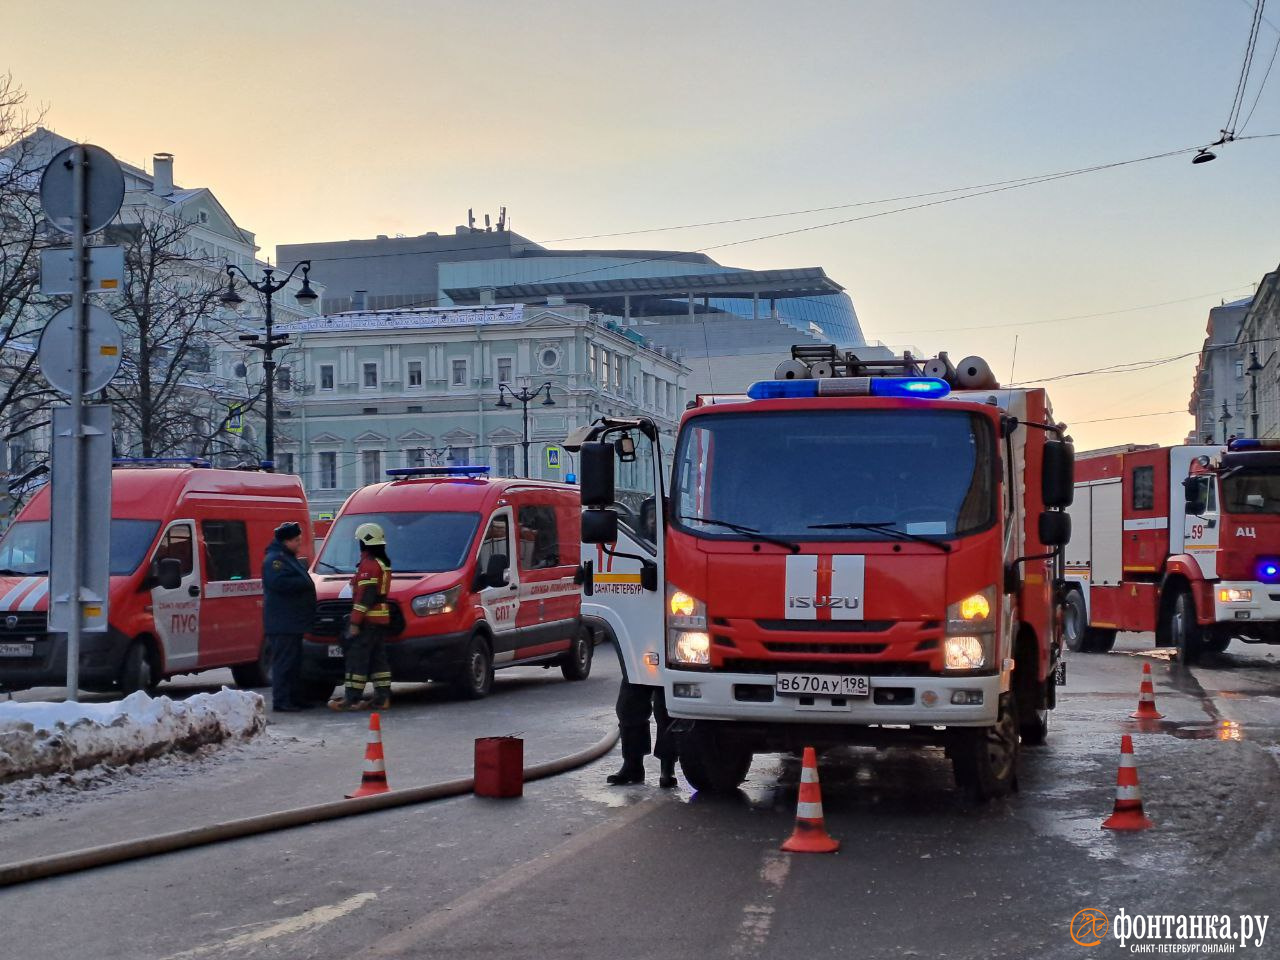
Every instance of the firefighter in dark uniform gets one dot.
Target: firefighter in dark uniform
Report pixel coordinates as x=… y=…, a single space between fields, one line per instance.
x=365 y=646
x=288 y=607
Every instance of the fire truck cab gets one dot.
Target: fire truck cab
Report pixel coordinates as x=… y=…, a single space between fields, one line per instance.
x=854 y=553
x=1183 y=541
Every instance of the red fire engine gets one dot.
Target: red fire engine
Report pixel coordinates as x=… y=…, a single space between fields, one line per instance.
x=852 y=553
x=1183 y=541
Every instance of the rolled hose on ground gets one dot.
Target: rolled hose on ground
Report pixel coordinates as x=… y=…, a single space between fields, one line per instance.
x=91 y=857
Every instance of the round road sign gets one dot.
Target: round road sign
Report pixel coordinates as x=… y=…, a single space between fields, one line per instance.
x=102 y=356
x=103 y=189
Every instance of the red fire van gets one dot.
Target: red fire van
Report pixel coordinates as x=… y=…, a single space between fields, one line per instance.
x=483 y=576
x=200 y=611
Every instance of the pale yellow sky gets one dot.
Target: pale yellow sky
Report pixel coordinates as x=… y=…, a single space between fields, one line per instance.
x=326 y=120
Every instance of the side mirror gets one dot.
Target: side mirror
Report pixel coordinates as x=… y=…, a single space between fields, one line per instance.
x=595 y=478
x=169 y=573
x=1055 y=528
x=1058 y=474
x=599 y=526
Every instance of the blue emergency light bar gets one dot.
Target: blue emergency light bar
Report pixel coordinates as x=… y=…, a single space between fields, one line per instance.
x=927 y=388
x=160 y=462
x=401 y=473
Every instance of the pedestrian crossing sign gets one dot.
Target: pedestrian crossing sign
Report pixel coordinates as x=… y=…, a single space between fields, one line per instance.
x=553 y=458
x=235 y=419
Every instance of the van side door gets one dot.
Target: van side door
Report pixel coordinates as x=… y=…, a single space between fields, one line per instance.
x=500 y=601
x=548 y=614
x=176 y=612
x=231 y=616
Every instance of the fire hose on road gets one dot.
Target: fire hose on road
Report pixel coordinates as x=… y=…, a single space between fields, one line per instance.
x=91 y=857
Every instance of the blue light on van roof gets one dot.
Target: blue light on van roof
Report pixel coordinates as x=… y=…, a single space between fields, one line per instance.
x=928 y=388
x=472 y=471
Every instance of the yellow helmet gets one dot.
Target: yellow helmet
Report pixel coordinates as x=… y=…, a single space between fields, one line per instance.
x=370 y=535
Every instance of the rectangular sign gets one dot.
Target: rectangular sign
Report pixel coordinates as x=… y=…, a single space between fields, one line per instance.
x=553 y=458
x=95 y=492
x=410 y=319
x=57 y=270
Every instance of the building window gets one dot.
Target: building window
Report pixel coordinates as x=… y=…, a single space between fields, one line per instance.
x=591 y=360
x=1239 y=369
x=604 y=369
x=671 y=397
x=1144 y=488
x=414 y=378
x=505 y=460
x=226 y=546
x=460 y=456
x=328 y=471
x=539 y=538
x=504 y=369
x=370 y=466
x=369 y=378
x=284 y=463
x=459 y=373
x=648 y=390
x=326 y=376
x=550 y=358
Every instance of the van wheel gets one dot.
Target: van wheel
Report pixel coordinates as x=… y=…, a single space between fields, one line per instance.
x=475 y=680
x=985 y=759
x=710 y=764
x=138 y=671
x=256 y=674
x=1075 y=621
x=1184 y=630
x=576 y=664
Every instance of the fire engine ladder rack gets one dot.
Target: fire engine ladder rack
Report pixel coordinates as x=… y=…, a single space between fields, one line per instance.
x=825 y=356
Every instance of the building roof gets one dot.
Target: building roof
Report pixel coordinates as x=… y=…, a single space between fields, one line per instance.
x=803 y=281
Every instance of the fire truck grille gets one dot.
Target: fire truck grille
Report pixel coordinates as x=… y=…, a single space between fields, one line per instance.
x=330 y=615
x=25 y=622
x=863 y=668
x=823 y=649
x=826 y=626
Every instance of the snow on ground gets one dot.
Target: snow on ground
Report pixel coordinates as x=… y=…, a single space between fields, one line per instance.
x=45 y=738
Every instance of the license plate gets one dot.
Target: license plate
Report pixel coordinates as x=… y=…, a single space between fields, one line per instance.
x=17 y=649
x=335 y=650
x=823 y=684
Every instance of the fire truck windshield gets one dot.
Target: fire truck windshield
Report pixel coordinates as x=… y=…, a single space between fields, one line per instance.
x=836 y=474
x=416 y=542
x=1251 y=491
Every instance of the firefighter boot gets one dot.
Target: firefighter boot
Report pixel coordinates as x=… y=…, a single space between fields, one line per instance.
x=381 y=699
x=631 y=772
x=667 y=780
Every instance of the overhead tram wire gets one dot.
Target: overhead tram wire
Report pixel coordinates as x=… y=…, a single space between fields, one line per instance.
x=1263 y=85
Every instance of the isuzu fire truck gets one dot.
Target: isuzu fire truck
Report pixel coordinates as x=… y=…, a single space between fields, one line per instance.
x=854 y=553
x=1183 y=541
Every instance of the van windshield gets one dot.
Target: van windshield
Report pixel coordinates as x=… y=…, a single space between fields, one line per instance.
x=416 y=542
x=24 y=550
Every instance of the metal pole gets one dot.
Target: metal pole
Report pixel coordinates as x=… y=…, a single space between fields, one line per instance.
x=524 y=407
x=269 y=368
x=78 y=353
x=1253 y=393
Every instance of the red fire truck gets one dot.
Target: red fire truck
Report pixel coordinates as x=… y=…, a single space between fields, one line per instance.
x=1183 y=541
x=853 y=553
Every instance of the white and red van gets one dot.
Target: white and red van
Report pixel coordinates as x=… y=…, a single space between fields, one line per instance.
x=483 y=576
x=212 y=525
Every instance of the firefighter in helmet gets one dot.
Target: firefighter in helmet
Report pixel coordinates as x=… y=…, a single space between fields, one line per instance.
x=364 y=643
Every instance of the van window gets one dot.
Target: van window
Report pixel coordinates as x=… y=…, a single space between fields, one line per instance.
x=176 y=545
x=1144 y=488
x=226 y=545
x=539 y=538
x=495 y=542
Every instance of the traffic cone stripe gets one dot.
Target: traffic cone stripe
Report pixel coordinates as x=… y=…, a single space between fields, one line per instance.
x=809 y=776
x=808 y=811
x=1129 y=793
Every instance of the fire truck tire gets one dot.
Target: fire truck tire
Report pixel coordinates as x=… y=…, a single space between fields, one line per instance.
x=1184 y=629
x=1100 y=641
x=985 y=759
x=576 y=664
x=475 y=679
x=256 y=674
x=138 y=671
x=710 y=765
x=1217 y=643
x=1075 y=621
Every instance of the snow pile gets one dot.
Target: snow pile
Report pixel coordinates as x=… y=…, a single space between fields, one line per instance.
x=42 y=738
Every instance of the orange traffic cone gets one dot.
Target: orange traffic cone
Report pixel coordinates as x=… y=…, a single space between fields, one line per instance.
x=810 y=834
x=1146 y=698
x=374 y=778
x=1127 y=814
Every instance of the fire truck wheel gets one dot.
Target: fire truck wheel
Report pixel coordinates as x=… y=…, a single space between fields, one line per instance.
x=576 y=664
x=256 y=674
x=1184 y=630
x=985 y=759
x=1217 y=643
x=711 y=765
x=476 y=677
x=138 y=671
x=1075 y=621
x=1101 y=641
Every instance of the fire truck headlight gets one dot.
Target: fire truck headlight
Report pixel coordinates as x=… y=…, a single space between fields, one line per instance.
x=683 y=611
x=975 y=607
x=964 y=653
x=689 y=647
x=974 y=613
x=446 y=601
x=1234 y=595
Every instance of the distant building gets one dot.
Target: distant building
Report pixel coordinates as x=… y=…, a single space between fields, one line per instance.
x=1220 y=377
x=373 y=390
x=731 y=326
x=1257 y=339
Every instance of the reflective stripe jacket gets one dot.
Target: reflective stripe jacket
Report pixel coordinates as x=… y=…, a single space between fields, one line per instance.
x=369 y=588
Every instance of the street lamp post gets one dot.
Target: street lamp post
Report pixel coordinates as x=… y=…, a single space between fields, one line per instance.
x=1255 y=368
x=1224 y=420
x=268 y=286
x=524 y=397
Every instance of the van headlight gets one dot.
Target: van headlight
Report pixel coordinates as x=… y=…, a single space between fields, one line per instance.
x=446 y=601
x=688 y=643
x=971 y=628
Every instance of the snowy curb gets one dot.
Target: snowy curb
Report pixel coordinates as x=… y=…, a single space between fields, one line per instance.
x=44 y=738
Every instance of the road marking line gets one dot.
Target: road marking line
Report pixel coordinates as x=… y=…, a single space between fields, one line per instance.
x=757 y=918
x=409 y=940
x=302 y=923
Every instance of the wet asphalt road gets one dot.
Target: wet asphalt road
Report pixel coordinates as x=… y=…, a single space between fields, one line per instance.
x=577 y=869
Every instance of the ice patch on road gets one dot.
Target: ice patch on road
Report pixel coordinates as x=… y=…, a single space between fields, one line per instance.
x=47 y=738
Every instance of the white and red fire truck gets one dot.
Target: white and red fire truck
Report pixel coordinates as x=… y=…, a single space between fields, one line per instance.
x=853 y=553
x=1183 y=541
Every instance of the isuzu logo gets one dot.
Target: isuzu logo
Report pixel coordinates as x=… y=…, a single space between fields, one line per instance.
x=823 y=603
x=11 y=622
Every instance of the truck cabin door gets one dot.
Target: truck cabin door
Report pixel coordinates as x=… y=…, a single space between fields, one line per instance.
x=1201 y=523
x=177 y=612
x=498 y=583
x=1146 y=513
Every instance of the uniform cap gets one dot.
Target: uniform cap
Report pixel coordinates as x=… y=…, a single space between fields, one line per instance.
x=287 y=531
x=370 y=535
